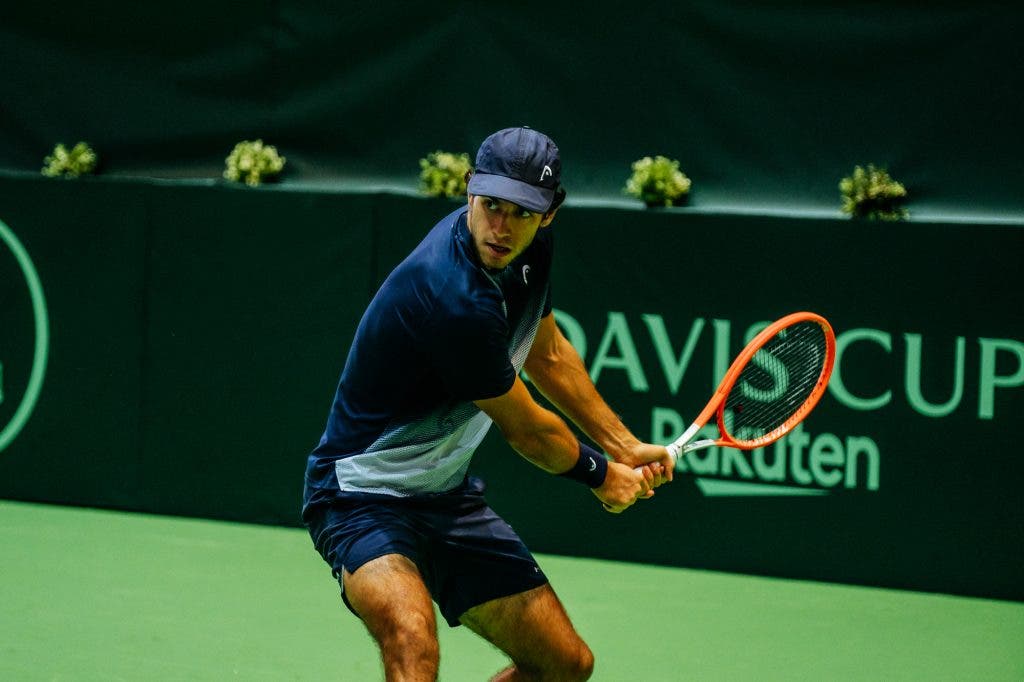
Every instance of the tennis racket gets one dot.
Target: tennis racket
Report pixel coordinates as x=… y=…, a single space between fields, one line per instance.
x=770 y=387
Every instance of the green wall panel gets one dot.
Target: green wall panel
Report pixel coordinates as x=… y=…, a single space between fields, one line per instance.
x=197 y=332
x=87 y=243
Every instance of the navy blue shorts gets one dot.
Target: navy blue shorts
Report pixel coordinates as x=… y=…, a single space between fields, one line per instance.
x=466 y=553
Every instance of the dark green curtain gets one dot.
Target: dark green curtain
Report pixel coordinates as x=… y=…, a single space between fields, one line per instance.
x=764 y=104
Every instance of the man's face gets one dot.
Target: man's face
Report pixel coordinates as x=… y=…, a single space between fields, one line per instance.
x=502 y=230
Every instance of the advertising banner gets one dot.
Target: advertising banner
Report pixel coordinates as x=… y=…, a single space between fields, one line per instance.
x=175 y=350
x=908 y=473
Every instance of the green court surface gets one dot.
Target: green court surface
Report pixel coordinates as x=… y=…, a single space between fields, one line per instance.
x=96 y=595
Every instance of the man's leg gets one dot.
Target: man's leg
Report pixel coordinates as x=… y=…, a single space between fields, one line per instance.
x=389 y=596
x=534 y=630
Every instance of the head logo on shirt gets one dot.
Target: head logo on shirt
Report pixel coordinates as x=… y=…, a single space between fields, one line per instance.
x=526 y=271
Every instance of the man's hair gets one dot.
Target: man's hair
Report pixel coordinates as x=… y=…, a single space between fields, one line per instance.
x=557 y=201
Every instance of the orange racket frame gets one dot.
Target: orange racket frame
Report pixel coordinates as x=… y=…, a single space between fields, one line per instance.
x=716 y=405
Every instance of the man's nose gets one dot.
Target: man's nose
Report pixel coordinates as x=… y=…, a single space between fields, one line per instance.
x=500 y=223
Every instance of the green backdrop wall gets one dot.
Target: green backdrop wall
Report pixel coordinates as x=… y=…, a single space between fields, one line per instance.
x=764 y=104
x=195 y=335
x=171 y=344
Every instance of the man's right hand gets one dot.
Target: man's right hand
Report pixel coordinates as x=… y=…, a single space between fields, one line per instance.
x=623 y=486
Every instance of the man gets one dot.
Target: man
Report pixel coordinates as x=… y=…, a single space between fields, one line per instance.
x=436 y=358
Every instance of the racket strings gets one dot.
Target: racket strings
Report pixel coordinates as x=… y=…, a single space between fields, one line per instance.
x=776 y=382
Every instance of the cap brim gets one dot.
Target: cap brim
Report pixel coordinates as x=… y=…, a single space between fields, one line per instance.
x=536 y=199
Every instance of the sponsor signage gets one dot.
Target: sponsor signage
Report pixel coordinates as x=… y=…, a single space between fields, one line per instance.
x=653 y=365
x=23 y=316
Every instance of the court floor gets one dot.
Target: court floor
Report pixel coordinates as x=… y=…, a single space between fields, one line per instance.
x=98 y=595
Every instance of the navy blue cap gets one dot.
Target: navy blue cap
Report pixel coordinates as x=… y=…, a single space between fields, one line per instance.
x=519 y=165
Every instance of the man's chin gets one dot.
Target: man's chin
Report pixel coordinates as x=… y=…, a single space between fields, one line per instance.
x=494 y=260
x=497 y=264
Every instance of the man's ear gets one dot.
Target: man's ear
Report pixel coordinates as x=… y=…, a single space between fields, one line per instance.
x=548 y=217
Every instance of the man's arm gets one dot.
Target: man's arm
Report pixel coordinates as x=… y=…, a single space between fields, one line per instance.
x=558 y=372
x=543 y=438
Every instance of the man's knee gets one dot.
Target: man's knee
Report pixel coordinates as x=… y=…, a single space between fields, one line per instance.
x=410 y=631
x=583 y=665
x=571 y=664
x=408 y=645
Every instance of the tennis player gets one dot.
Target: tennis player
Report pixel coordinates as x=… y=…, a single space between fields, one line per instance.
x=435 y=360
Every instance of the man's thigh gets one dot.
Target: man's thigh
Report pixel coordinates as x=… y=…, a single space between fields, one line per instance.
x=532 y=627
x=388 y=594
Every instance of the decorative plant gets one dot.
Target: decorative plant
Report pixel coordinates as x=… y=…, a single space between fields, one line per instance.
x=872 y=194
x=81 y=160
x=658 y=182
x=443 y=174
x=253 y=162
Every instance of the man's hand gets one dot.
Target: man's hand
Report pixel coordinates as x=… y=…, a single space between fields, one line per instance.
x=623 y=486
x=653 y=457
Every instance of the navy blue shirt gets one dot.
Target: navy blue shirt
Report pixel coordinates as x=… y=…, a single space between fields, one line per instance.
x=441 y=332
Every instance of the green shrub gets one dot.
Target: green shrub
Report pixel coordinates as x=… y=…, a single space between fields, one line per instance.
x=81 y=160
x=253 y=162
x=443 y=174
x=658 y=182
x=873 y=195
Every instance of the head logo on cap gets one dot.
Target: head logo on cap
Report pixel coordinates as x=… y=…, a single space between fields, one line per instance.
x=520 y=165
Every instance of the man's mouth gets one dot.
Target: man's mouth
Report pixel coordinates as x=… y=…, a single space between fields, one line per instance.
x=497 y=250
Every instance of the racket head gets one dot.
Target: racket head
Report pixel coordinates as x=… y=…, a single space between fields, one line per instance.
x=775 y=382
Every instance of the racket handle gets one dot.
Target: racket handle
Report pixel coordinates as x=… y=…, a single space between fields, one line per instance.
x=676 y=448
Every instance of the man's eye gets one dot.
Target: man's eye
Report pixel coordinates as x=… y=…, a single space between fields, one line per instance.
x=525 y=215
x=492 y=205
